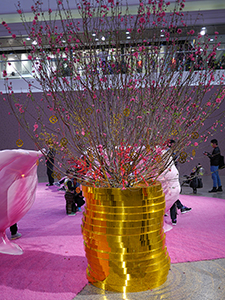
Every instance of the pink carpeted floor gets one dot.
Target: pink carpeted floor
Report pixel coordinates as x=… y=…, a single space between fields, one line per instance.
x=53 y=265
x=199 y=234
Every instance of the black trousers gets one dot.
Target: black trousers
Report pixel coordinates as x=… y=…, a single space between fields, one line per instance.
x=50 y=174
x=13 y=229
x=173 y=209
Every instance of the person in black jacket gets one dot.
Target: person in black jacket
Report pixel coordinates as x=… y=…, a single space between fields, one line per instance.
x=73 y=195
x=50 y=165
x=214 y=166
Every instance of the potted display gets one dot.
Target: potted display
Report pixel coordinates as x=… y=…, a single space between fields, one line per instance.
x=117 y=83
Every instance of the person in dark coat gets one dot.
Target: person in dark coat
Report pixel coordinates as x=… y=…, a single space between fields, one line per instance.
x=73 y=196
x=50 y=165
x=214 y=166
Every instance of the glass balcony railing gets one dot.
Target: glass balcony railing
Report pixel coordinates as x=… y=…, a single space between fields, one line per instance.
x=18 y=65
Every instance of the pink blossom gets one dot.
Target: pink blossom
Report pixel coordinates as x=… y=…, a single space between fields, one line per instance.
x=35 y=127
x=4 y=73
x=218 y=100
x=179 y=31
x=208 y=103
x=29 y=57
x=142 y=20
x=135 y=54
x=195 y=144
x=19 y=11
x=158 y=151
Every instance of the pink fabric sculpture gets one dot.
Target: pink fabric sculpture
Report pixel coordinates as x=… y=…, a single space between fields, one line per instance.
x=18 y=177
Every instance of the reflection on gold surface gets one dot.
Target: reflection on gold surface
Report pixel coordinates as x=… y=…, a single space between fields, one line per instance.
x=124 y=239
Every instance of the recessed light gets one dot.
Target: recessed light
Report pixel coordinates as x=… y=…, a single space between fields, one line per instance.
x=202 y=32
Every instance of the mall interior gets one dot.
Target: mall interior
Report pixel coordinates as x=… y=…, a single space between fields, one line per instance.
x=196 y=280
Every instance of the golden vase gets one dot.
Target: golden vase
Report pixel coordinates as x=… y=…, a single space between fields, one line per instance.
x=124 y=238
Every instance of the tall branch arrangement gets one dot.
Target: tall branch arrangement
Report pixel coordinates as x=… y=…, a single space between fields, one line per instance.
x=116 y=87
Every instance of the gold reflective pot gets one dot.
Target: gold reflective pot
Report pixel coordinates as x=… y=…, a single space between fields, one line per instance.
x=124 y=238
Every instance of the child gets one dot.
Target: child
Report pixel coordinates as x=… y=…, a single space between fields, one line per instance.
x=73 y=195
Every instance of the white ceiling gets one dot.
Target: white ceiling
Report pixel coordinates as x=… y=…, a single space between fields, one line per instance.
x=213 y=15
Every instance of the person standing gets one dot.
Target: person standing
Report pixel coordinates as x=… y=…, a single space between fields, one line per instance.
x=214 y=166
x=50 y=165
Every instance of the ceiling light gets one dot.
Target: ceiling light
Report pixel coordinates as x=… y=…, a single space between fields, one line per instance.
x=103 y=38
x=34 y=43
x=202 y=32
